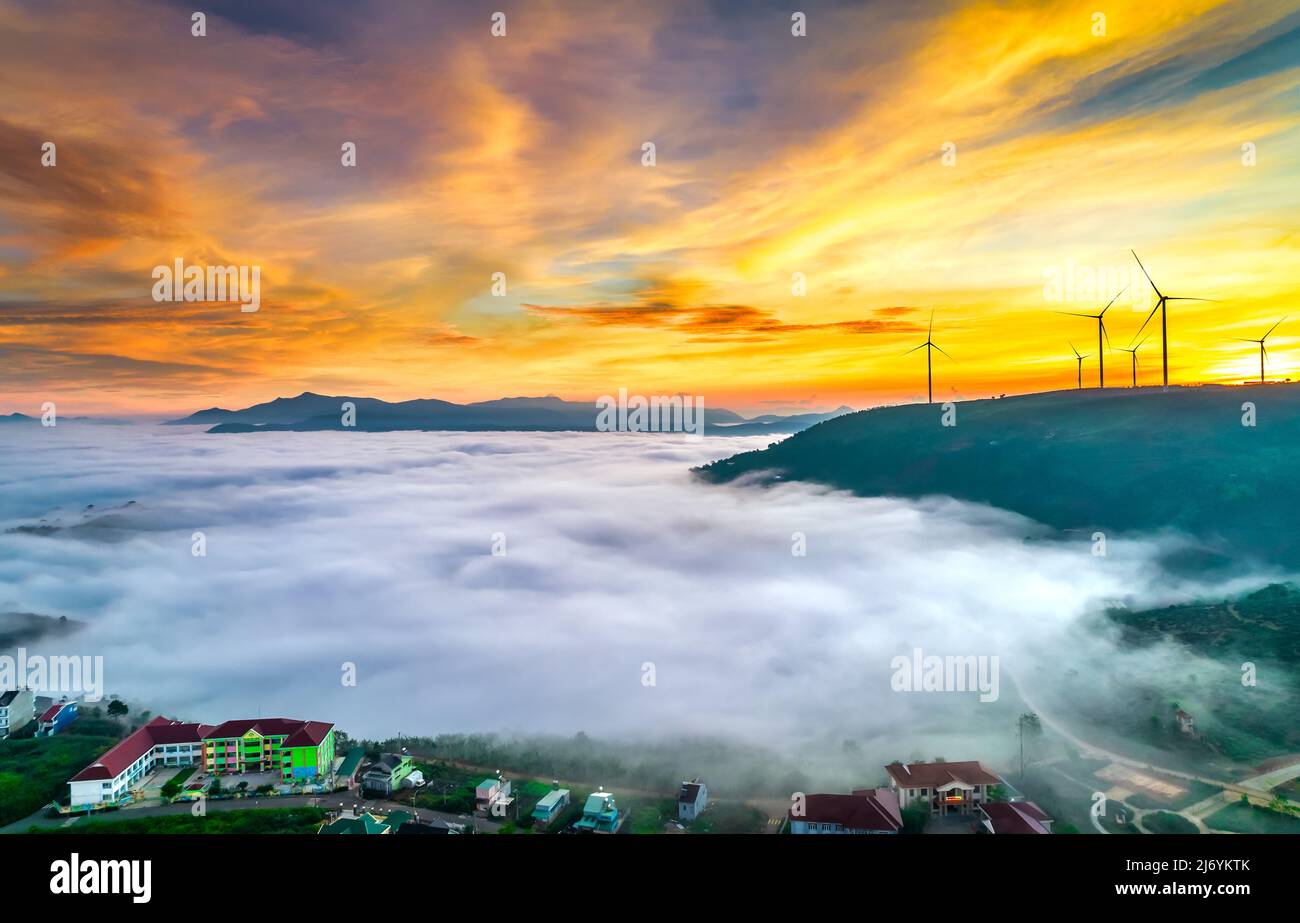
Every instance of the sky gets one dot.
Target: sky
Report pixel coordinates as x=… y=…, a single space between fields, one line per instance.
x=987 y=164
x=522 y=582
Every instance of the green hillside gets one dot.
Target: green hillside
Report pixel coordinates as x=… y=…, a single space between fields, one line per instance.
x=1118 y=460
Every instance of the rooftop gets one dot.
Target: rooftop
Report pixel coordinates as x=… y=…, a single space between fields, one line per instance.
x=937 y=775
x=864 y=809
x=158 y=731
x=1016 y=817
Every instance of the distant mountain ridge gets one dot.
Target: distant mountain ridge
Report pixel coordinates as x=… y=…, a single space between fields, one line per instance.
x=1115 y=460
x=21 y=418
x=311 y=412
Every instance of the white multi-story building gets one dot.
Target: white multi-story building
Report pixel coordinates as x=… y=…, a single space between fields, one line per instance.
x=161 y=742
x=17 y=710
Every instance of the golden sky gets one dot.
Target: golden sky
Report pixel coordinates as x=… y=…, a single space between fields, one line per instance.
x=822 y=155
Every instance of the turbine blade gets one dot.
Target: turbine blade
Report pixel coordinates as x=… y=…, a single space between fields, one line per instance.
x=1270 y=330
x=1185 y=298
x=915 y=348
x=1076 y=314
x=1145 y=273
x=1148 y=320
x=1113 y=300
x=1101 y=323
x=940 y=350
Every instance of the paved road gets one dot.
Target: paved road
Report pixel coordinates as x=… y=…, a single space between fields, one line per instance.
x=1254 y=788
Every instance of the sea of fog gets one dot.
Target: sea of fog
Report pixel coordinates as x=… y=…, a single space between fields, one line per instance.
x=629 y=598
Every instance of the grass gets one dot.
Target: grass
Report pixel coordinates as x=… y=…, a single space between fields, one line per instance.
x=730 y=817
x=447 y=788
x=172 y=787
x=1247 y=818
x=36 y=771
x=1165 y=822
x=648 y=815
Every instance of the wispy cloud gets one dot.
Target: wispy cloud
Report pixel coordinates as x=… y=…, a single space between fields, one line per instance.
x=522 y=155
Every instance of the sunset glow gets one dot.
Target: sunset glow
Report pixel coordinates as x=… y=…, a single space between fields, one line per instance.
x=1175 y=133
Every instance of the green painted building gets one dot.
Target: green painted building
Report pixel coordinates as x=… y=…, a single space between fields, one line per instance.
x=299 y=751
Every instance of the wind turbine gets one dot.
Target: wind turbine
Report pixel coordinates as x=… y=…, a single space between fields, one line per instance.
x=929 y=381
x=1080 y=358
x=1262 y=351
x=1101 y=332
x=1133 y=351
x=1162 y=307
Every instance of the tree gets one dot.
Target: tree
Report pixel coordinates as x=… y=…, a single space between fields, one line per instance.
x=1027 y=720
x=117 y=708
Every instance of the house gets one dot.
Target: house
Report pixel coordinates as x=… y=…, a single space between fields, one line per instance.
x=431 y=827
x=600 y=815
x=551 y=805
x=1184 y=722
x=350 y=769
x=366 y=823
x=385 y=775
x=864 y=811
x=1015 y=817
x=17 y=709
x=492 y=796
x=946 y=788
x=297 y=750
x=691 y=799
x=56 y=718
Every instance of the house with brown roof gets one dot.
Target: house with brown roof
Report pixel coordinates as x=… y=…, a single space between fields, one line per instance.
x=864 y=811
x=946 y=788
x=1015 y=817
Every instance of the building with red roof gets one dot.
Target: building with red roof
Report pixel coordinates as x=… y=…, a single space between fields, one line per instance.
x=1015 y=817
x=56 y=718
x=301 y=751
x=298 y=751
x=867 y=810
x=946 y=788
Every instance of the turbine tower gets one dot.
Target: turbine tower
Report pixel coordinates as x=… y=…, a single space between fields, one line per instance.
x=1080 y=360
x=1133 y=351
x=928 y=345
x=1162 y=307
x=1262 y=351
x=1101 y=332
